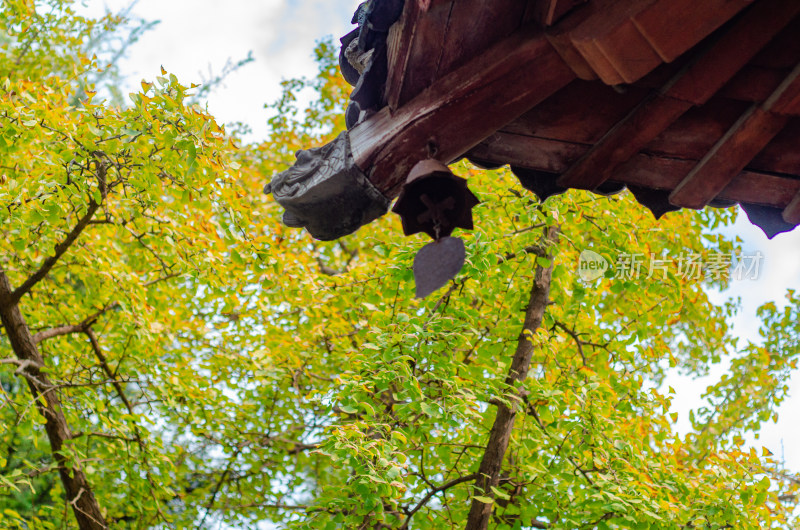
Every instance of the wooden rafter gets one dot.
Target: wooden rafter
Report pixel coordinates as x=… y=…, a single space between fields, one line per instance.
x=736 y=149
x=643 y=170
x=420 y=26
x=692 y=86
x=620 y=42
x=548 y=12
x=434 y=38
x=791 y=214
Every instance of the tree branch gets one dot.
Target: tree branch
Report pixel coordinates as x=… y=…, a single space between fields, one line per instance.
x=578 y=342
x=72 y=328
x=101 y=358
x=218 y=486
x=410 y=513
x=780 y=475
x=162 y=279
x=57 y=332
x=15 y=296
x=25 y=367
x=78 y=492
x=530 y=249
x=493 y=456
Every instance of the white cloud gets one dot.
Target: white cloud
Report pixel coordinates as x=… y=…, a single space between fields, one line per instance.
x=780 y=271
x=197 y=34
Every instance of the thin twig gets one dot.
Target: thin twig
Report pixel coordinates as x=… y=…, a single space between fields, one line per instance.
x=410 y=513
x=73 y=328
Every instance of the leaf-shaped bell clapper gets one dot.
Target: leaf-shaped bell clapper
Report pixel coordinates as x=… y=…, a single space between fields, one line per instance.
x=435 y=201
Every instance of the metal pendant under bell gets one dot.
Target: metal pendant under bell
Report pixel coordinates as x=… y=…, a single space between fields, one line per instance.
x=435 y=201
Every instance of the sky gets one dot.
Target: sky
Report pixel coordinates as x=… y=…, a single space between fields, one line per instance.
x=194 y=36
x=780 y=270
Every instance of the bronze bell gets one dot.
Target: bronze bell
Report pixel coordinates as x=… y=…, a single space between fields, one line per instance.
x=434 y=201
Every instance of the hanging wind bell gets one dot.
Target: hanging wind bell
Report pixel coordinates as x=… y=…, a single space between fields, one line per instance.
x=435 y=201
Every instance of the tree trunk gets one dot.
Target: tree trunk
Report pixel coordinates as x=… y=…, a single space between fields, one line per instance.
x=79 y=494
x=489 y=470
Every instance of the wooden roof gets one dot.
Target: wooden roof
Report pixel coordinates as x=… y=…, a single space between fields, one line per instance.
x=688 y=103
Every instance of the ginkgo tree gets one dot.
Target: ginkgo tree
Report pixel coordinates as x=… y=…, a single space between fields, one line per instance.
x=173 y=356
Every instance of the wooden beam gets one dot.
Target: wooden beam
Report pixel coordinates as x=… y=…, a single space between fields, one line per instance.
x=398 y=52
x=432 y=39
x=542 y=154
x=581 y=112
x=759 y=77
x=727 y=158
x=697 y=131
x=748 y=186
x=731 y=154
x=791 y=214
x=695 y=84
x=751 y=33
x=674 y=26
x=624 y=140
x=548 y=12
x=473 y=26
x=624 y=56
x=459 y=110
x=782 y=154
x=694 y=134
x=758 y=186
x=752 y=84
x=790 y=107
x=582 y=37
x=623 y=41
x=786 y=97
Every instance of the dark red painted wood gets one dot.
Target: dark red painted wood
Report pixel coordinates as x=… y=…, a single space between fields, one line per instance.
x=731 y=154
x=694 y=84
x=459 y=110
x=473 y=26
x=645 y=170
x=791 y=214
x=414 y=48
x=734 y=50
x=553 y=156
x=623 y=41
x=623 y=141
x=548 y=12
x=727 y=158
x=674 y=26
x=581 y=112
